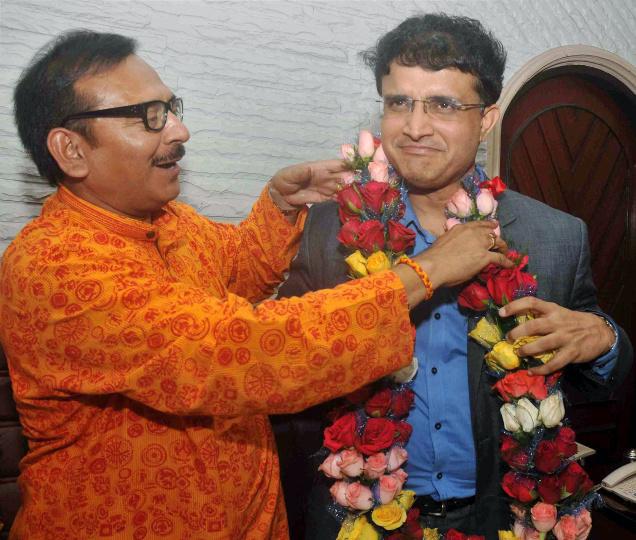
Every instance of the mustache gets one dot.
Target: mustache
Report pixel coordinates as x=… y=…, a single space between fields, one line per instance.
x=176 y=153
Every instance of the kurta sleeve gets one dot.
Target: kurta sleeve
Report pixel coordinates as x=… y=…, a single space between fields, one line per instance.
x=97 y=325
x=258 y=251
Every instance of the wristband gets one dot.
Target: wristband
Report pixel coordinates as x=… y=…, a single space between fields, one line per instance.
x=420 y=273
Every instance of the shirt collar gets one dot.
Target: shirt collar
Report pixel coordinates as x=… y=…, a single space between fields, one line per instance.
x=139 y=230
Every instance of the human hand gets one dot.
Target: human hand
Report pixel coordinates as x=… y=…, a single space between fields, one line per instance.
x=575 y=336
x=461 y=253
x=309 y=182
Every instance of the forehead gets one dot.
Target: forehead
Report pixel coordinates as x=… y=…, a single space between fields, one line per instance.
x=131 y=81
x=415 y=81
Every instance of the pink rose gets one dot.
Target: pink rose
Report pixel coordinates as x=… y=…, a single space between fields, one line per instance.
x=347 y=152
x=401 y=475
x=375 y=466
x=486 y=203
x=366 y=147
x=339 y=492
x=460 y=204
x=583 y=522
x=359 y=497
x=389 y=487
x=544 y=516
x=397 y=456
x=348 y=178
x=351 y=463
x=331 y=466
x=451 y=222
x=565 y=529
x=379 y=171
x=380 y=155
x=525 y=533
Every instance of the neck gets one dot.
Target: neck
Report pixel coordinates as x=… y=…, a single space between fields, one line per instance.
x=430 y=206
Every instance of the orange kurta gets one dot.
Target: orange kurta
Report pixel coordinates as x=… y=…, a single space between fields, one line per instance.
x=143 y=372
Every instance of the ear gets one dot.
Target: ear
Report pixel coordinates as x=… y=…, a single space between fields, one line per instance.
x=68 y=149
x=488 y=121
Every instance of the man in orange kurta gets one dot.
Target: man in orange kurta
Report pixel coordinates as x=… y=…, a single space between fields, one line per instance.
x=142 y=367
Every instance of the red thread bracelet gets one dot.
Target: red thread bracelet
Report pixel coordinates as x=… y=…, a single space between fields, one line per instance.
x=420 y=273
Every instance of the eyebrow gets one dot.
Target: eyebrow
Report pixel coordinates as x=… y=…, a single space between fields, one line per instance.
x=436 y=98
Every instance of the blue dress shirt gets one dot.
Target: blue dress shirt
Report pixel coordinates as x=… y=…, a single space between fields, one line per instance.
x=441 y=450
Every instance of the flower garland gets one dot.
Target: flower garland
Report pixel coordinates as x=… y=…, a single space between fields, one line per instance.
x=365 y=443
x=550 y=492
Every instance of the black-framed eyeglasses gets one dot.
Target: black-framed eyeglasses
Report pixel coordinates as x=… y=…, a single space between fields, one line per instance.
x=153 y=113
x=439 y=107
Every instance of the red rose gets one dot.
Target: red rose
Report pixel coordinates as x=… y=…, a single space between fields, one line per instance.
x=400 y=238
x=549 y=489
x=519 y=487
x=546 y=457
x=379 y=434
x=503 y=285
x=341 y=434
x=490 y=270
x=519 y=259
x=520 y=383
x=526 y=285
x=475 y=296
x=379 y=404
x=412 y=528
x=403 y=432
x=392 y=196
x=496 y=185
x=370 y=236
x=350 y=201
x=512 y=453
x=565 y=442
x=574 y=479
x=453 y=534
x=349 y=232
x=402 y=403
x=552 y=379
x=373 y=194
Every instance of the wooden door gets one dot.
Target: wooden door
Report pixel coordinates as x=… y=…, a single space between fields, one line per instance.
x=568 y=139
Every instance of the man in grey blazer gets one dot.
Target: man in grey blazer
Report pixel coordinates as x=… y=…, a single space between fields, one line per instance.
x=439 y=78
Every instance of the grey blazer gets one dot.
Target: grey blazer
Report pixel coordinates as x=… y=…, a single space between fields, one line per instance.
x=558 y=248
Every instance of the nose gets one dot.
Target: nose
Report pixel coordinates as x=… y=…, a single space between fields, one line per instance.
x=418 y=122
x=175 y=130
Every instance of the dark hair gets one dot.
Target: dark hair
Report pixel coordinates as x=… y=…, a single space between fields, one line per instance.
x=437 y=41
x=45 y=92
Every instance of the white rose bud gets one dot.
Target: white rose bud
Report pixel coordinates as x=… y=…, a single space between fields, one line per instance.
x=552 y=410
x=509 y=418
x=527 y=415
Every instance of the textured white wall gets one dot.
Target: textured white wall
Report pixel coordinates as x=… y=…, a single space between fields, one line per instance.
x=266 y=83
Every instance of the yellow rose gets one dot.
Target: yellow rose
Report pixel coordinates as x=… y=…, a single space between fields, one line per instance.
x=486 y=333
x=389 y=516
x=507 y=535
x=377 y=262
x=502 y=356
x=544 y=358
x=360 y=529
x=405 y=498
x=357 y=264
x=431 y=534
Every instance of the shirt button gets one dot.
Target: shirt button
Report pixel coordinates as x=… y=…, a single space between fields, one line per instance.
x=150 y=234
x=438 y=316
x=439 y=475
x=434 y=371
x=438 y=425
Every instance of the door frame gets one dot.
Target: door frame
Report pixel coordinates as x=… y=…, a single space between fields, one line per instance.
x=569 y=55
